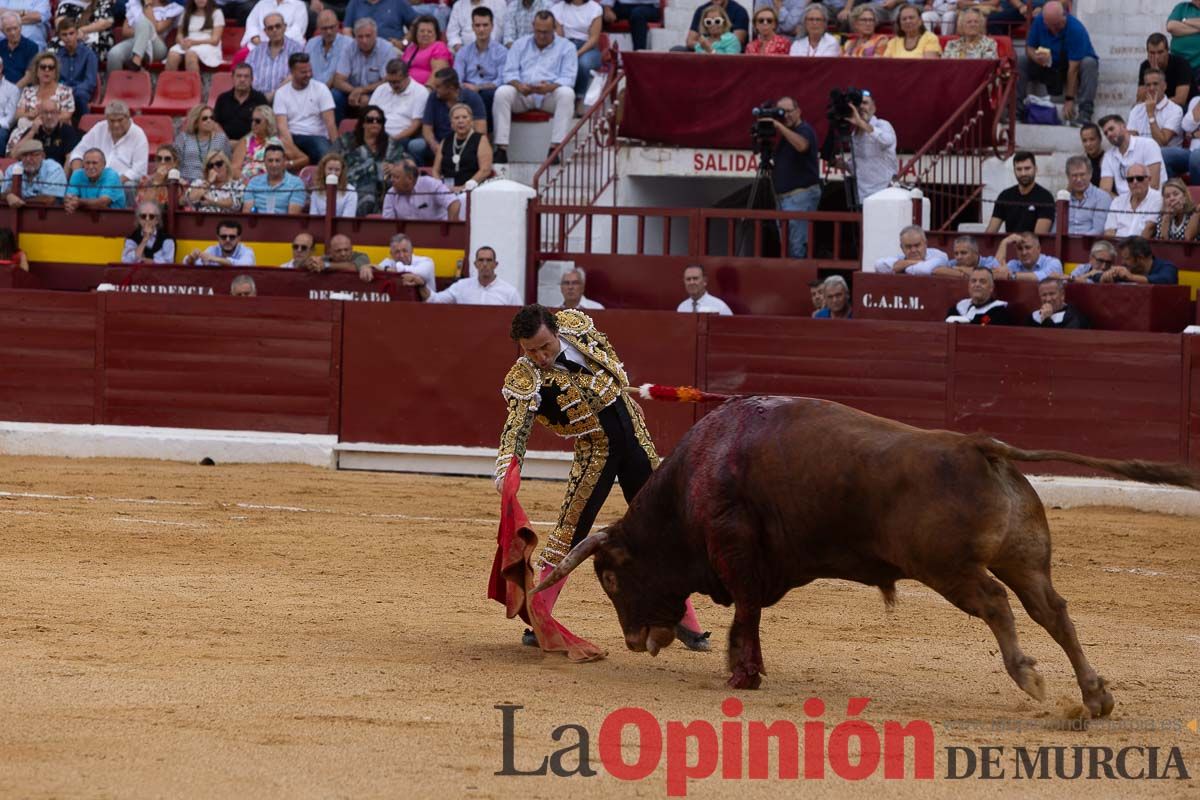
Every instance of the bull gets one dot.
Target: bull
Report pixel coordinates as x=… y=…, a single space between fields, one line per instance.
x=766 y=494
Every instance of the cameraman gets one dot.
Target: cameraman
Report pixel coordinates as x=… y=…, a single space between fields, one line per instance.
x=797 y=173
x=874 y=148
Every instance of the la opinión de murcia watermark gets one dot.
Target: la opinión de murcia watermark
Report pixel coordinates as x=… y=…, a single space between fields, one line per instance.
x=851 y=750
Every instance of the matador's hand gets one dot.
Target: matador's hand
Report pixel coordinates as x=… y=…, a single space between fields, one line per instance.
x=498 y=482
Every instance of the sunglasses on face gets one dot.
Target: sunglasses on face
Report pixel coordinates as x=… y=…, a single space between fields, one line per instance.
x=164 y=158
x=217 y=163
x=301 y=246
x=713 y=22
x=207 y=118
x=373 y=120
x=1137 y=178
x=257 y=120
x=47 y=67
x=272 y=27
x=765 y=21
x=147 y=216
x=227 y=237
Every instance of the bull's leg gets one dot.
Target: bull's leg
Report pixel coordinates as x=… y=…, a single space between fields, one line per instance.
x=980 y=595
x=745 y=653
x=1048 y=609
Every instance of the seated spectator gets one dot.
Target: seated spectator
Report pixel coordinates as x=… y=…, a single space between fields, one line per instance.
x=789 y=15
x=9 y=95
x=1101 y=258
x=347 y=199
x=967 y=258
x=149 y=240
x=1059 y=56
x=836 y=295
x=43 y=182
x=42 y=85
x=1093 y=149
x=365 y=150
x=1028 y=206
x=815 y=39
x=403 y=102
x=10 y=254
x=1180 y=219
x=913 y=40
x=35 y=15
x=767 y=40
x=435 y=122
x=1126 y=151
x=480 y=66
x=971 y=42
x=1005 y=15
x=816 y=290
x=78 y=65
x=426 y=53
x=916 y=257
x=888 y=10
x=1181 y=86
x=539 y=73
x=460 y=30
x=93 y=187
x=716 y=35
x=866 y=43
x=153 y=186
x=272 y=60
x=941 y=16
x=304 y=111
x=1134 y=213
x=1087 y=207
x=980 y=307
x=227 y=252
x=235 y=108
x=16 y=51
x=302 y=251
x=698 y=300
x=391 y=18
x=95 y=23
x=340 y=256
x=199 y=39
x=640 y=14
x=248 y=153
x=483 y=288
x=401 y=259
x=124 y=144
x=292 y=13
x=217 y=192
x=242 y=286
x=572 y=285
x=1159 y=119
x=144 y=34
x=325 y=50
x=57 y=137
x=1141 y=265
x=363 y=68
x=418 y=197
x=275 y=191
x=1054 y=311
x=518 y=19
x=738 y=23
x=1031 y=264
x=579 y=22
x=464 y=158
x=197 y=138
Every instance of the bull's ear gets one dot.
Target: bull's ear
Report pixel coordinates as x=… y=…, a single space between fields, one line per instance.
x=573 y=559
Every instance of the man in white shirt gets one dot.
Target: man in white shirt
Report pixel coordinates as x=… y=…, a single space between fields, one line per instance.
x=9 y=94
x=572 y=285
x=304 y=110
x=481 y=289
x=874 y=144
x=459 y=31
x=302 y=251
x=403 y=102
x=295 y=16
x=1132 y=212
x=1127 y=150
x=401 y=259
x=916 y=257
x=125 y=148
x=1161 y=119
x=699 y=301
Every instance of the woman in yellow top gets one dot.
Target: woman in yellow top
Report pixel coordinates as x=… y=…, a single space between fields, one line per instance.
x=913 y=41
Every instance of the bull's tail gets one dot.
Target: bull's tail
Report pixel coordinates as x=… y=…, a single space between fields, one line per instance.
x=1135 y=470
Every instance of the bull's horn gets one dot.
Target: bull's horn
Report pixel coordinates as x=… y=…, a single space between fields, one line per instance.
x=573 y=559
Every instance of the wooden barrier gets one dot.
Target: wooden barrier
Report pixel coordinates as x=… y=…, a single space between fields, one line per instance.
x=49 y=346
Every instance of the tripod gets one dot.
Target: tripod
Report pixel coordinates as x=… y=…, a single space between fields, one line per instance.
x=761 y=196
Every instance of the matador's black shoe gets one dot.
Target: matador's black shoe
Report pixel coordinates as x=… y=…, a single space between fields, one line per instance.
x=529 y=638
x=692 y=640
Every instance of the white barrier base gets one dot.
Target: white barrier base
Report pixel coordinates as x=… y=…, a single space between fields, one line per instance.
x=1060 y=492
x=447 y=460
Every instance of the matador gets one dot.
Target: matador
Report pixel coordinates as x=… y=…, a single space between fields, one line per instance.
x=570 y=379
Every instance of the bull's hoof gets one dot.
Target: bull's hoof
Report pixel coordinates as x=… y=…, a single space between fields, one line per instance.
x=744 y=680
x=692 y=640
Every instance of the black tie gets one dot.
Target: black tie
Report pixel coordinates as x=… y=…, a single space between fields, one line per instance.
x=571 y=365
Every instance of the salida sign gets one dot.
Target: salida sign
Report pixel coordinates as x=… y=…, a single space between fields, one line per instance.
x=718 y=161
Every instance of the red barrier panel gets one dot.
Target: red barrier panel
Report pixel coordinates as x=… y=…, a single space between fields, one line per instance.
x=236 y=363
x=48 y=346
x=1191 y=402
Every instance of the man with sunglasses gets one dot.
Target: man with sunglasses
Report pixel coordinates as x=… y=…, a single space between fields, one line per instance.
x=234 y=109
x=271 y=61
x=292 y=13
x=1134 y=212
x=93 y=187
x=227 y=252
x=148 y=242
x=1101 y=259
x=302 y=252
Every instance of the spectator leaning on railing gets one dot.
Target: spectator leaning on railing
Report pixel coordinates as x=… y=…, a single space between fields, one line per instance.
x=302 y=248
x=1100 y=259
x=401 y=259
x=1031 y=264
x=227 y=252
x=916 y=257
x=484 y=288
x=1141 y=265
x=43 y=182
x=418 y=197
x=340 y=256
x=276 y=191
x=967 y=258
x=93 y=187
x=124 y=144
x=149 y=240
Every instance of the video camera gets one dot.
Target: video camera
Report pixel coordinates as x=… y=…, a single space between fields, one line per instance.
x=838 y=110
x=762 y=132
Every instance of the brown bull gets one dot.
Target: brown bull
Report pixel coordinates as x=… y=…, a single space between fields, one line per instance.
x=766 y=494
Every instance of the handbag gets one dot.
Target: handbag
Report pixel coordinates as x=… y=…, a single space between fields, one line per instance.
x=1041 y=111
x=595 y=88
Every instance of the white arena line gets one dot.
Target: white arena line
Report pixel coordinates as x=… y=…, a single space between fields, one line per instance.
x=160 y=522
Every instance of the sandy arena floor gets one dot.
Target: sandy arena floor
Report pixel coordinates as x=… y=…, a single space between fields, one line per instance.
x=174 y=630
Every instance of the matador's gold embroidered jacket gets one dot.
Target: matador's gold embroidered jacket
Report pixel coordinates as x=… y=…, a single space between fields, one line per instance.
x=564 y=403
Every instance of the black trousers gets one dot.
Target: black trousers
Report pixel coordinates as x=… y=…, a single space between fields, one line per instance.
x=626 y=461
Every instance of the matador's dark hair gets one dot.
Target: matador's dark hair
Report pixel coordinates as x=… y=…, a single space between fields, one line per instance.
x=529 y=321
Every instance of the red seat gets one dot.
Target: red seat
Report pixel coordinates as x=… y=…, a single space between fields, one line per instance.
x=231 y=42
x=307 y=175
x=532 y=116
x=347 y=126
x=178 y=92
x=5 y=163
x=221 y=83
x=159 y=130
x=88 y=121
x=1194 y=191
x=131 y=88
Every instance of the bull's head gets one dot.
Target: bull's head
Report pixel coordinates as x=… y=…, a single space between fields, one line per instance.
x=646 y=608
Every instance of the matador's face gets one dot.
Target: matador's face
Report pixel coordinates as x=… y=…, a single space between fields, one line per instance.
x=541 y=348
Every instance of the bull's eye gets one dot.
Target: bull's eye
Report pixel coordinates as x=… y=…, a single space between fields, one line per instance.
x=609 y=581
